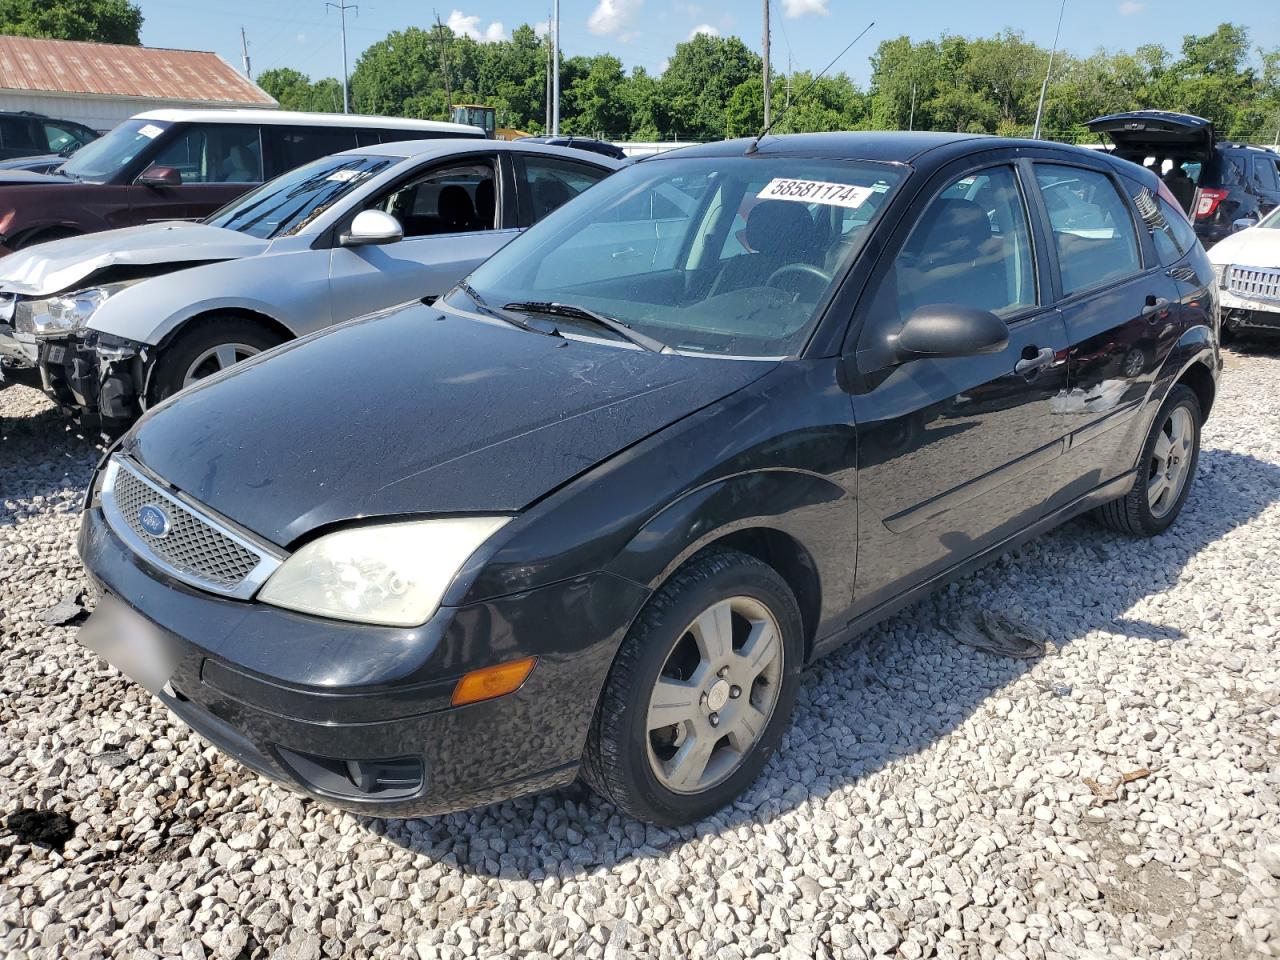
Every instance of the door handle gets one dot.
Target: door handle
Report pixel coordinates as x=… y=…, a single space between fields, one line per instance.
x=630 y=253
x=1155 y=306
x=1035 y=363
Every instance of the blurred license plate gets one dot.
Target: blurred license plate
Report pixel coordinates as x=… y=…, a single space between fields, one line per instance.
x=130 y=642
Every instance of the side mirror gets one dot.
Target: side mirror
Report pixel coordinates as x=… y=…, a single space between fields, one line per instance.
x=372 y=228
x=160 y=177
x=949 y=330
x=1244 y=223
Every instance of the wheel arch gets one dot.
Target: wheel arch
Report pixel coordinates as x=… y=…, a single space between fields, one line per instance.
x=777 y=516
x=209 y=314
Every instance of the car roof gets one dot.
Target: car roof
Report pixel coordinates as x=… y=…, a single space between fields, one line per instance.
x=294 y=118
x=443 y=146
x=889 y=146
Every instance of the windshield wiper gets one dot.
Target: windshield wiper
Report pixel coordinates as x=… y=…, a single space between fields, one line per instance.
x=572 y=311
x=483 y=306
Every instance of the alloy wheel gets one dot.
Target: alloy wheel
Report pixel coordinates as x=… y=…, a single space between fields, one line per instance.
x=216 y=359
x=715 y=695
x=1170 y=461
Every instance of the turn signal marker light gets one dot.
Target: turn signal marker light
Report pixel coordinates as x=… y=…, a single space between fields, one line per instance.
x=490 y=682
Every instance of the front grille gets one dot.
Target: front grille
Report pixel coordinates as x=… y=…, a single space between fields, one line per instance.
x=1262 y=283
x=195 y=548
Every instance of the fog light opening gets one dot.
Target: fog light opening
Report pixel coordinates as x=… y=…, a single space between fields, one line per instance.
x=489 y=682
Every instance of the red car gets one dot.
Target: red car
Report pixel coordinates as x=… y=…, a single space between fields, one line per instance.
x=183 y=165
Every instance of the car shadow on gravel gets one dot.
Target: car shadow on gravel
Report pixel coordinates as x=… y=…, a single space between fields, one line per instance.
x=875 y=700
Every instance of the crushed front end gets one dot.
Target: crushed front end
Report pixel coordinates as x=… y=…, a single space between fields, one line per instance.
x=97 y=378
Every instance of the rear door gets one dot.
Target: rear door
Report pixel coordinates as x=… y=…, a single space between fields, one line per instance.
x=455 y=215
x=1120 y=309
x=289 y=146
x=1264 y=179
x=217 y=161
x=958 y=453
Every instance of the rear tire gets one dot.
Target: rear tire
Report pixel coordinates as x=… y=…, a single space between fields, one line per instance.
x=208 y=346
x=717 y=651
x=1166 y=470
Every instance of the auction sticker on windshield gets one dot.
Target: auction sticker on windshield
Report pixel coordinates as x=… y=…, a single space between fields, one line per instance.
x=150 y=131
x=816 y=191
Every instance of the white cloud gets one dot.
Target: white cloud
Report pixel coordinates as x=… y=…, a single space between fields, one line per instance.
x=302 y=38
x=706 y=28
x=542 y=28
x=465 y=26
x=662 y=67
x=1130 y=7
x=798 y=8
x=613 y=16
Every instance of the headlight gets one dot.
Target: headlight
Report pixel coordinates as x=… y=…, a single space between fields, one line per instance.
x=393 y=574
x=65 y=313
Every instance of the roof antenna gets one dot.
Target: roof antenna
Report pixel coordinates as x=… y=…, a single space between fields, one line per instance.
x=755 y=144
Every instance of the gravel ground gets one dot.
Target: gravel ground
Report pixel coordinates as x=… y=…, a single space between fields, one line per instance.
x=930 y=800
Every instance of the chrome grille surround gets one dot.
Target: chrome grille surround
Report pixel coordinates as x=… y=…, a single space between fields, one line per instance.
x=1258 y=283
x=197 y=548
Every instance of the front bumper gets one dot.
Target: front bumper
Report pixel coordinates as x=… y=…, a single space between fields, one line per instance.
x=311 y=703
x=1248 y=313
x=96 y=378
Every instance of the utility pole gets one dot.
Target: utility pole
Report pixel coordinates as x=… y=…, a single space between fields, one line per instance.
x=342 y=7
x=444 y=66
x=1044 y=87
x=546 y=46
x=244 y=52
x=911 y=120
x=555 y=69
x=766 y=63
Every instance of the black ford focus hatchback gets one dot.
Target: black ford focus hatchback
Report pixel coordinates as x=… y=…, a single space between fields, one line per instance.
x=589 y=514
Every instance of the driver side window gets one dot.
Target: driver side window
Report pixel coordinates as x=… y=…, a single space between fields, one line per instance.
x=458 y=198
x=971 y=247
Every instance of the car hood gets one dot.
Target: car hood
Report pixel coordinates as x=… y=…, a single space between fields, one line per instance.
x=17 y=178
x=415 y=412
x=48 y=268
x=1255 y=247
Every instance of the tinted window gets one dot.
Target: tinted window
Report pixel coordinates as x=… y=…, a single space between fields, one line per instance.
x=971 y=246
x=1093 y=231
x=665 y=277
x=295 y=146
x=1264 y=174
x=459 y=198
x=553 y=182
x=19 y=133
x=394 y=135
x=214 y=153
x=109 y=155
x=288 y=203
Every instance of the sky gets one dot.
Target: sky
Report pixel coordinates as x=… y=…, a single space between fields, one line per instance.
x=304 y=34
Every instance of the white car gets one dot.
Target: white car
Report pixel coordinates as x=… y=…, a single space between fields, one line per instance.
x=119 y=320
x=1248 y=268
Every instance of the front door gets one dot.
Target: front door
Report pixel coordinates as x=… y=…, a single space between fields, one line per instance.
x=453 y=215
x=958 y=453
x=217 y=161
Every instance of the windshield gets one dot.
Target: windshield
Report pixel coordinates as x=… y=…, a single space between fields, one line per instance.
x=1272 y=220
x=285 y=205
x=726 y=255
x=106 y=156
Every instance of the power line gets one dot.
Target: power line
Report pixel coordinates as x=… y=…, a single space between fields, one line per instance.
x=342 y=7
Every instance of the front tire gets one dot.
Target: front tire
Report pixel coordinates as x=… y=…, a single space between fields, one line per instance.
x=700 y=692
x=208 y=346
x=1167 y=469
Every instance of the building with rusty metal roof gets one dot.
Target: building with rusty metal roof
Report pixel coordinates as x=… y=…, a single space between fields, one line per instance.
x=100 y=84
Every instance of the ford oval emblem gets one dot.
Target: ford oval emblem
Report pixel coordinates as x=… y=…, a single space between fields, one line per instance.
x=153 y=520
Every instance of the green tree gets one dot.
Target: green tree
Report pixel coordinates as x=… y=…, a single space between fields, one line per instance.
x=595 y=100
x=102 y=21
x=697 y=84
